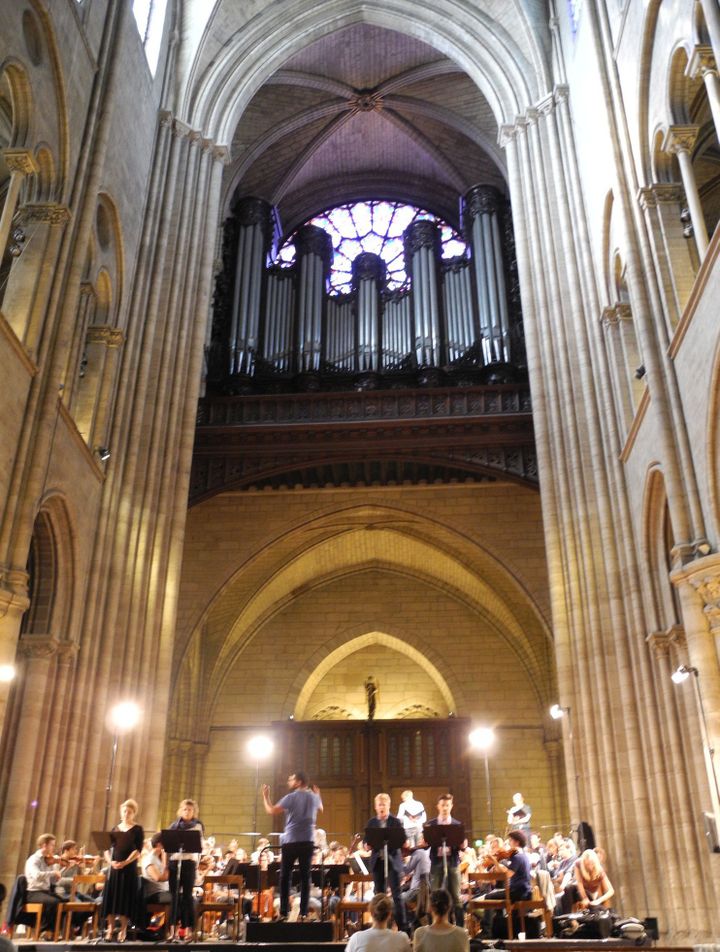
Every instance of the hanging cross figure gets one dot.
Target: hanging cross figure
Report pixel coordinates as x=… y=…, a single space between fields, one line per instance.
x=371 y=691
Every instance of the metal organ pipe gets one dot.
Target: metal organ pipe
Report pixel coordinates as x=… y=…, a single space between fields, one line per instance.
x=314 y=251
x=481 y=208
x=422 y=253
x=254 y=218
x=368 y=271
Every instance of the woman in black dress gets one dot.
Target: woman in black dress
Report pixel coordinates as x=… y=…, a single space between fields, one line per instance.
x=121 y=890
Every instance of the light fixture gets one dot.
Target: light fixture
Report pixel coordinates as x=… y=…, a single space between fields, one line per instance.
x=482 y=738
x=682 y=673
x=688 y=231
x=260 y=747
x=120 y=719
x=556 y=712
x=640 y=372
x=685 y=215
x=7 y=673
x=17 y=236
x=103 y=452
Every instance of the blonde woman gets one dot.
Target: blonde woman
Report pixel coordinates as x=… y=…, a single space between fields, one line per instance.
x=121 y=891
x=183 y=870
x=594 y=889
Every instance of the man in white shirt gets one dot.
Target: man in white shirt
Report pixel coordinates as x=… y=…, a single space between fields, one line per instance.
x=413 y=815
x=42 y=875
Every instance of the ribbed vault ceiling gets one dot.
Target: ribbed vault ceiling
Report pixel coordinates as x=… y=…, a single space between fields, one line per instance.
x=365 y=112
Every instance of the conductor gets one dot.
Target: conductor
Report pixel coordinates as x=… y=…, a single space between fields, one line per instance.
x=300 y=806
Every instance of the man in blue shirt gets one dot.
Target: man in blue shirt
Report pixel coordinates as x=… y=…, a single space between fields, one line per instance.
x=516 y=868
x=300 y=806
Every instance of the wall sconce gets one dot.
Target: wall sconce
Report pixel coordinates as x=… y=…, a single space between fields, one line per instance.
x=103 y=453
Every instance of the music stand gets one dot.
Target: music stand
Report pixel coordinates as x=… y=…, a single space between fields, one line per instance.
x=179 y=841
x=385 y=838
x=441 y=836
x=102 y=840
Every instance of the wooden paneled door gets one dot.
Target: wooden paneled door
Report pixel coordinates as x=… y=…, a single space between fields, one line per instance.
x=351 y=761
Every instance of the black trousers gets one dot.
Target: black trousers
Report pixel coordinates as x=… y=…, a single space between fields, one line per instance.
x=50 y=903
x=302 y=852
x=381 y=886
x=182 y=892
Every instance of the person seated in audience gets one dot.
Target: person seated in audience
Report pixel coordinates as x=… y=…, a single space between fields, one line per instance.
x=42 y=875
x=379 y=938
x=592 y=888
x=156 y=873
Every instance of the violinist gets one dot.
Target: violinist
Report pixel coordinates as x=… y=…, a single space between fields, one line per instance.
x=513 y=864
x=42 y=875
x=70 y=866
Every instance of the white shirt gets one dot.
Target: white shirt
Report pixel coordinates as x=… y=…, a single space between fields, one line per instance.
x=378 y=940
x=409 y=810
x=39 y=873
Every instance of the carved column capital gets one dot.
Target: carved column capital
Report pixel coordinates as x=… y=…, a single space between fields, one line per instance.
x=50 y=213
x=670 y=193
x=368 y=267
x=680 y=139
x=708 y=588
x=506 y=135
x=701 y=62
x=609 y=317
x=659 y=643
x=101 y=334
x=13 y=592
x=20 y=160
x=38 y=646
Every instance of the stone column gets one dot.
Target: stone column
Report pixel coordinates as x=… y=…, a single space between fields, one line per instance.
x=38 y=652
x=314 y=250
x=698 y=584
x=711 y=12
x=422 y=254
x=14 y=602
x=368 y=280
x=21 y=163
x=254 y=217
x=481 y=208
x=702 y=63
x=680 y=141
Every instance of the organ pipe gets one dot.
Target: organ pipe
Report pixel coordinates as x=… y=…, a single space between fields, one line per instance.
x=314 y=251
x=481 y=209
x=255 y=223
x=422 y=254
x=368 y=271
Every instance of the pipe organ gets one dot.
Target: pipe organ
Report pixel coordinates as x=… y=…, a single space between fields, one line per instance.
x=278 y=323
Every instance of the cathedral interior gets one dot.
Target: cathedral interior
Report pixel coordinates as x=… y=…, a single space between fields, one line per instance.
x=350 y=343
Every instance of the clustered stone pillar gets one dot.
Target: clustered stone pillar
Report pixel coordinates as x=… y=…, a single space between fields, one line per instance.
x=481 y=207
x=314 y=251
x=422 y=253
x=254 y=217
x=368 y=271
x=702 y=63
x=680 y=141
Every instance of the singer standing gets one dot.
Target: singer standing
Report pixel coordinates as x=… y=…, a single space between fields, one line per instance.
x=300 y=806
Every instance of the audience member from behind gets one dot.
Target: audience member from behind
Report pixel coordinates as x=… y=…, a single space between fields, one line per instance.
x=441 y=935
x=379 y=937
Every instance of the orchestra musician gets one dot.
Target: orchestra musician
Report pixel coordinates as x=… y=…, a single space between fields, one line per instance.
x=413 y=815
x=301 y=806
x=42 y=875
x=376 y=864
x=512 y=864
x=518 y=816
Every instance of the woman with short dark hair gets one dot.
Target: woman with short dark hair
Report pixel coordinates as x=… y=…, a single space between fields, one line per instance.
x=441 y=935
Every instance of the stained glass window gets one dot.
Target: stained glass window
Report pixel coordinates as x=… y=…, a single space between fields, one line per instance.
x=575 y=6
x=374 y=226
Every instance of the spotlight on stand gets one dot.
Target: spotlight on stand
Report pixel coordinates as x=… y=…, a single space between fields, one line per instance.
x=682 y=673
x=7 y=673
x=556 y=712
x=103 y=453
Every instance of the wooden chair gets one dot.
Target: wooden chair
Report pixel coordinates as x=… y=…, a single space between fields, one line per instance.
x=349 y=904
x=232 y=906
x=522 y=906
x=84 y=884
x=25 y=910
